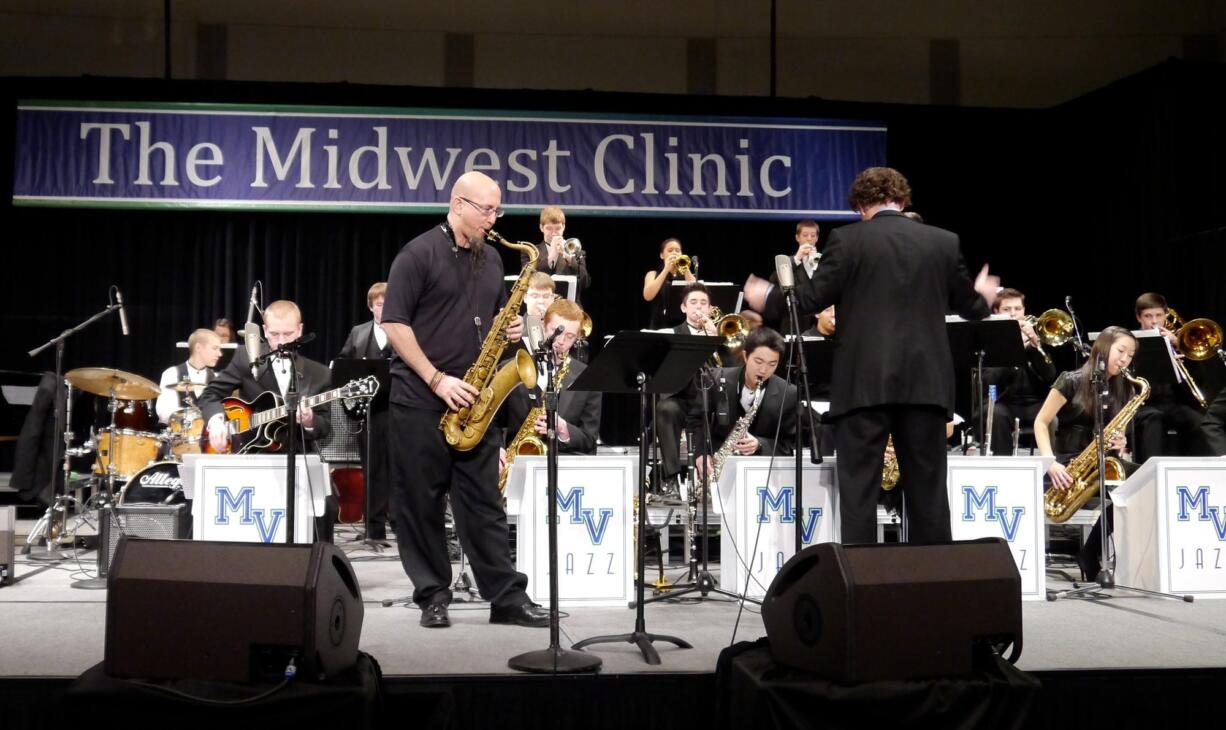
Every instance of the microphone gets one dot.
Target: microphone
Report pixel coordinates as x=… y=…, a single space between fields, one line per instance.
x=783 y=272
x=547 y=346
x=251 y=306
x=536 y=335
x=123 y=313
x=251 y=340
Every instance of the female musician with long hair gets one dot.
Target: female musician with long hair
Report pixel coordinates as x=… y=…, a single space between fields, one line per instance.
x=655 y=281
x=1070 y=403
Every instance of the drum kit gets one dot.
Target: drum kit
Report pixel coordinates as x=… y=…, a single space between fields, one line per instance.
x=136 y=462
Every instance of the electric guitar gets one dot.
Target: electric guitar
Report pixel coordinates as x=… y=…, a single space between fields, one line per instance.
x=256 y=425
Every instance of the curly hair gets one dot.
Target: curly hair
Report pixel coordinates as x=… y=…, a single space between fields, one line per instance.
x=879 y=185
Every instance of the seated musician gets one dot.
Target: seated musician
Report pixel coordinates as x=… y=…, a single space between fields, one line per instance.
x=282 y=325
x=655 y=283
x=224 y=330
x=541 y=293
x=578 y=412
x=823 y=324
x=1020 y=390
x=1168 y=406
x=683 y=408
x=1213 y=427
x=204 y=350
x=735 y=394
x=1070 y=407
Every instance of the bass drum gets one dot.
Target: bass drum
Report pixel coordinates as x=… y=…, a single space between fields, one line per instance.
x=155 y=484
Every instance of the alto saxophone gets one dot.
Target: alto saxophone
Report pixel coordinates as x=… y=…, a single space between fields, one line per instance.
x=465 y=428
x=526 y=442
x=1060 y=504
x=889 y=466
x=739 y=431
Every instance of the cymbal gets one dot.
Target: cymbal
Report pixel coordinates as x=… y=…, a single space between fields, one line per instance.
x=183 y=386
x=108 y=381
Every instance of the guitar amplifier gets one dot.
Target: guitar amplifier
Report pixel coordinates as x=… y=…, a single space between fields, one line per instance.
x=153 y=521
x=8 y=528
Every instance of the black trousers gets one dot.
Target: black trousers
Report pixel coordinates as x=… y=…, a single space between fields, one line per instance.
x=919 y=443
x=1003 y=414
x=376 y=469
x=425 y=470
x=1151 y=426
x=1213 y=427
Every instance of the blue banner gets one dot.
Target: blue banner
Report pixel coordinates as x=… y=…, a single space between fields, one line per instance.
x=307 y=158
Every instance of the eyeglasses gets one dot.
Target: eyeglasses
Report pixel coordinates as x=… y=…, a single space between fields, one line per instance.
x=483 y=210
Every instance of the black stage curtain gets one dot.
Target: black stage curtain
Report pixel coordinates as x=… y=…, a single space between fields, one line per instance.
x=1102 y=198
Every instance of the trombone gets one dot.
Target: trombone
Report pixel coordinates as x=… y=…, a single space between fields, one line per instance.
x=1198 y=340
x=1054 y=328
x=732 y=327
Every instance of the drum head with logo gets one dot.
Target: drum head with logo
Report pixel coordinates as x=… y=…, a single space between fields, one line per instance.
x=155 y=484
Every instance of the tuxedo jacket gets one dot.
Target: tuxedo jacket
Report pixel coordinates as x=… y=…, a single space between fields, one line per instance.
x=893 y=280
x=576 y=267
x=778 y=401
x=361 y=343
x=313 y=378
x=580 y=410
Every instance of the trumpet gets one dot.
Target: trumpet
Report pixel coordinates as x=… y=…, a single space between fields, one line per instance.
x=1198 y=340
x=683 y=265
x=1054 y=328
x=572 y=247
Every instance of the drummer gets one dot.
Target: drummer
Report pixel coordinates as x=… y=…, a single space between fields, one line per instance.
x=204 y=350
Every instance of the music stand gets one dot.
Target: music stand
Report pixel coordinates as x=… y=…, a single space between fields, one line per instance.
x=348 y=369
x=1154 y=360
x=644 y=363
x=992 y=342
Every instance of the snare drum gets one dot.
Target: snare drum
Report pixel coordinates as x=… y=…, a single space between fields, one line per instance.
x=156 y=484
x=130 y=450
x=186 y=430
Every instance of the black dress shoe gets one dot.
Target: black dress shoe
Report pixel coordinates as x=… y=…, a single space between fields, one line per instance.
x=525 y=614
x=434 y=616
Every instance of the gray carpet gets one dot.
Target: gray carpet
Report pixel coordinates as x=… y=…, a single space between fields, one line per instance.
x=48 y=628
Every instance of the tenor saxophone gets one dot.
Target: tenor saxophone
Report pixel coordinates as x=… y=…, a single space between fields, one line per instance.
x=526 y=442
x=1060 y=504
x=465 y=428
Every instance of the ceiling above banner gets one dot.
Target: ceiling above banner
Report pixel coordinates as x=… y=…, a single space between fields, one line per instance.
x=406 y=160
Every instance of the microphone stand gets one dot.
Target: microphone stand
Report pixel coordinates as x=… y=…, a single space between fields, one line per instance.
x=289 y=350
x=61 y=422
x=554 y=659
x=815 y=453
x=1105 y=579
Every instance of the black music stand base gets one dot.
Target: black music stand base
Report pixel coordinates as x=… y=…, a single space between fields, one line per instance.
x=556 y=660
x=641 y=639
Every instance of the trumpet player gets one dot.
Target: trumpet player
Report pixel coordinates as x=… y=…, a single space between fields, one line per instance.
x=682 y=409
x=654 y=282
x=1021 y=390
x=804 y=261
x=555 y=256
x=578 y=412
x=737 y=388
x=1169 y=406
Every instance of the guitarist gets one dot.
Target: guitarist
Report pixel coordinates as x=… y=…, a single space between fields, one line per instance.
x=282 y=324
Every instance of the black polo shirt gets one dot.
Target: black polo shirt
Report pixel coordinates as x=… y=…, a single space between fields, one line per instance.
x=449 y=299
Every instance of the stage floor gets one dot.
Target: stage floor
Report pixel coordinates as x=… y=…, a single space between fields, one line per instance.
x=50 y=629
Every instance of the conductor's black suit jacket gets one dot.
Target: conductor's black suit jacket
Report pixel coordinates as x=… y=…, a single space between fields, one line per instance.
x=893 y=280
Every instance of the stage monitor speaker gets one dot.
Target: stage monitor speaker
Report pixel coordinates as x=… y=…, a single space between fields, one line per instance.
x=152 y=521
x=858 y=613
x=238 y=612
x=8 y=530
